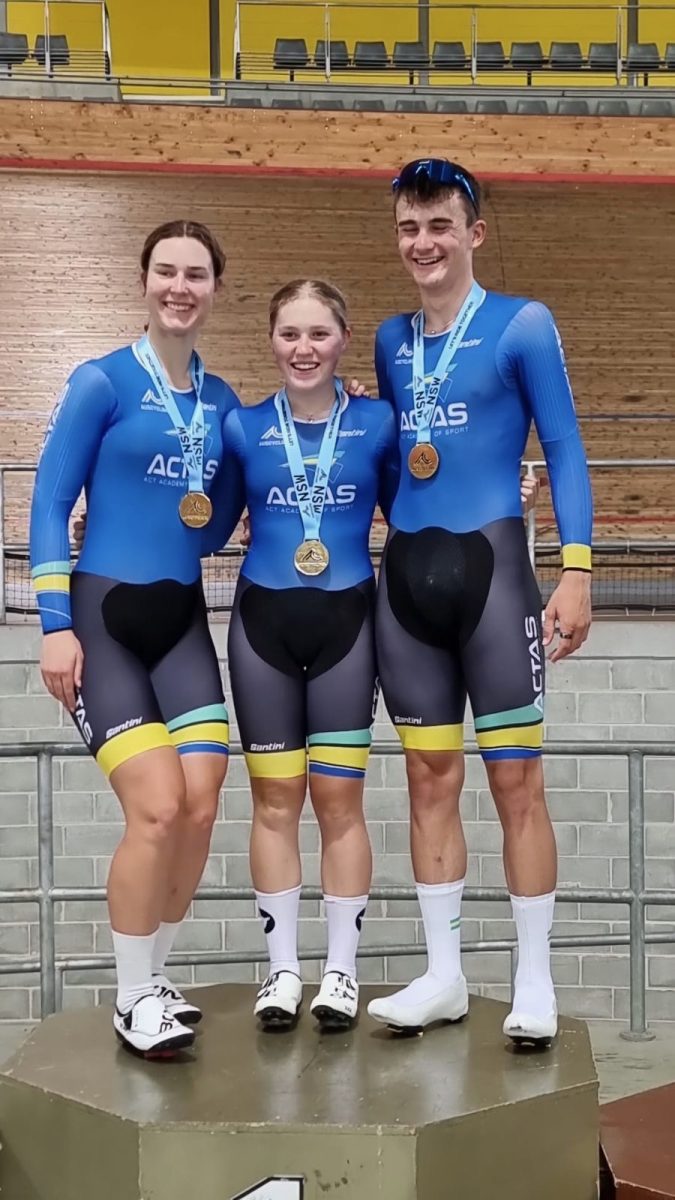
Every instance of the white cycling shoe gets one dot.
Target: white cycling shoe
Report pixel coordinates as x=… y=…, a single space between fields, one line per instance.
x=450 y=1003
x=150 y=1030
x=336 y=1004
x=278 y=1001
x=527 y=1030
x=175 y=1002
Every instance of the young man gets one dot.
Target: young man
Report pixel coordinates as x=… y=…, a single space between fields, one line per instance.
x=458 y=606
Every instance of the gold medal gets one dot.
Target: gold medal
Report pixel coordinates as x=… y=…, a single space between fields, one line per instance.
x=311 y=557
x=423 y=460
x=195 y=510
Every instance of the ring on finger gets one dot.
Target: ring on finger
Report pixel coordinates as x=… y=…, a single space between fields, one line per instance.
x=565 y=636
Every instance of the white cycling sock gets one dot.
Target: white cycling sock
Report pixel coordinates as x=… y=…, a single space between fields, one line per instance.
x=164 y=940
x=533 y=915
x=344 y=915
x=279 y=913
x=440 y=904
x=133 y=959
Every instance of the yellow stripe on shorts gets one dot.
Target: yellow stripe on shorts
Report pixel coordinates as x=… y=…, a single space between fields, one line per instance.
x=531 y=736
x=341 y=756
x=431 y=737
x=206 y=731
x=277 y=764
x=131 y=742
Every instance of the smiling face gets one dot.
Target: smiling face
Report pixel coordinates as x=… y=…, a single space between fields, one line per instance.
x=436 y=241
x=307 y=342
x=179 y=285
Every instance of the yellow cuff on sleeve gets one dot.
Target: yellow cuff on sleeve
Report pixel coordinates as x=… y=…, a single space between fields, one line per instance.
x=576 y=556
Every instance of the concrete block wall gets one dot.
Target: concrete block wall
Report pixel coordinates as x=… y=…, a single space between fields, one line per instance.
x=621 y=689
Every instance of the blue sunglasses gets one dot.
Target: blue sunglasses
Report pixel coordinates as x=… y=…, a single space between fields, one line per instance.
x=435 y=170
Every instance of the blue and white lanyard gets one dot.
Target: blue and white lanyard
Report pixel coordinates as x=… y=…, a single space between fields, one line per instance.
x=191 y=437
x=310 y=500
x=426 y=394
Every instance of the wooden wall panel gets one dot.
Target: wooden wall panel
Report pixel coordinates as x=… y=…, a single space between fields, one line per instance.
x=599 y=255
x=164 y=136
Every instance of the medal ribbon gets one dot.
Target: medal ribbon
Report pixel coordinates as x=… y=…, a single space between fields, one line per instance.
x=426 y=395
x=310 y=500
x=191 y=437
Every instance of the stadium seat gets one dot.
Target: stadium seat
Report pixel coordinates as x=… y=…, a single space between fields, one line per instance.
x=613 y=108
x=411 y=106
x=449 y=56
x=290 y=54
x=371 y=56
x=410 y=56
x=369 y=106
x=565 y=56
x=495 y=107
x=656 y=108
x=279 y=102
x=246 y=102
x=532 y=108
x=527 y=56
x=59 y=54
x=643 y=57
x=572 y=108
x=339 y=55
x=669 y=57
x=490 y=56
x=451 y=106
x=328 y=105
x=13 y=49
x=602 y=56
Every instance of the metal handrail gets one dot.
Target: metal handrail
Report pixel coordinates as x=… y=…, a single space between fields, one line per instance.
x=531 y=466
x=636 y=895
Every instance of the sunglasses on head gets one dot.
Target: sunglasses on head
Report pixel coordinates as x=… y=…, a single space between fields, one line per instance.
x=435 y=170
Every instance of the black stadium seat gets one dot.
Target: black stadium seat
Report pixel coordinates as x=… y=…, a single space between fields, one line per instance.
x=602 y=56
x=411 y=106
x=490 y=56
x=451 y=106
x=449 y=56
x=328 y=105
x=643 y=57
x=290 y=54
x=656 y=108
x=370 y=56
x=59 y=54
x=246 y=102
x=527 y=56
x=280 y=103
x=669 y=56
x=339 y=55
x=13 y=49
x=613 y=108
x=495 y=107
x=410 y=55
x=572 y=108
x=565 y=56
x=532 y=108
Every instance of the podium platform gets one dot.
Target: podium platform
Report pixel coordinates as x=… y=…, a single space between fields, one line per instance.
x=454 y=1114
x=638 y=1146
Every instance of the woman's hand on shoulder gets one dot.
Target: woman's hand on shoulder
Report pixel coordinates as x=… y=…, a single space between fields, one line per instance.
x=61 y=663
x=355 y=388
